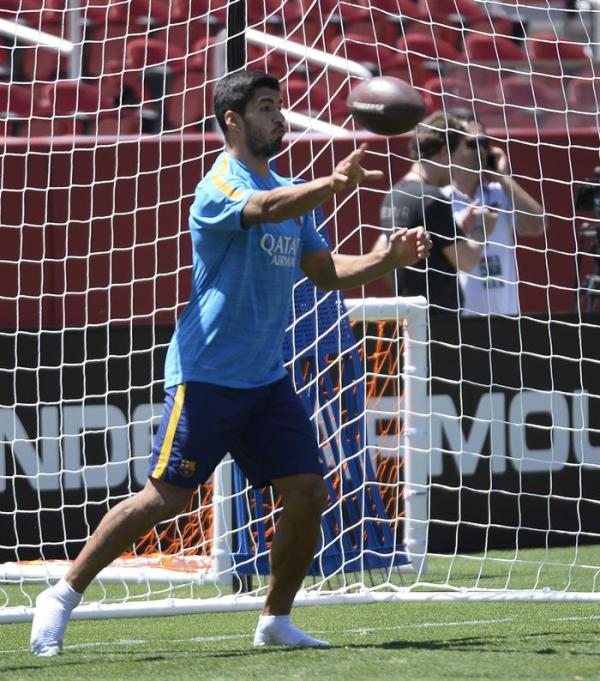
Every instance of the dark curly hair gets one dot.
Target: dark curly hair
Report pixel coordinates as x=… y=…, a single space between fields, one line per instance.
x=235 y=90
x=435 y=132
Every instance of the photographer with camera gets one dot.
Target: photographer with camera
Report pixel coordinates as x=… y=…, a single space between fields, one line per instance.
x=491 y=212
x=587 y=199
x=437 y=149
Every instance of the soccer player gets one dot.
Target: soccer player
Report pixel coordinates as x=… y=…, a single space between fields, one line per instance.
x=226 y=387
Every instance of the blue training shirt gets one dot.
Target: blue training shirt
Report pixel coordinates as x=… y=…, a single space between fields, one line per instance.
x=231 y=331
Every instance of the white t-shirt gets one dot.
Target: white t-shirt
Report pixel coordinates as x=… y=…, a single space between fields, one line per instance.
x=491 y=287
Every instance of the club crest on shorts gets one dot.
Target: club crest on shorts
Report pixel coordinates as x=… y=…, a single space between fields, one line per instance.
x=186 y=468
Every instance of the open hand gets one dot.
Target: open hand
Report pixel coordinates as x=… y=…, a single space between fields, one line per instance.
x=349 y=172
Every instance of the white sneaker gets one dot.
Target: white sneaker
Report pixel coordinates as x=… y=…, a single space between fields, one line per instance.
x=278 y=631
x=53 y=609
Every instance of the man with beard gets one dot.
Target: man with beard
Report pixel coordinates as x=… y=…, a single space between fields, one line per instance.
x=226 y=387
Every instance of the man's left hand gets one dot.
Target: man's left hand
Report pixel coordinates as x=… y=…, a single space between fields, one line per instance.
x=408 y=247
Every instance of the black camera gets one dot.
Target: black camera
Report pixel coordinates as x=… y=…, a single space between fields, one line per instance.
x=482 y=144
x=587 y=196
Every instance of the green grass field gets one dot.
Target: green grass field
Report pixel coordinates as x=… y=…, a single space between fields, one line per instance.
x=480 y=640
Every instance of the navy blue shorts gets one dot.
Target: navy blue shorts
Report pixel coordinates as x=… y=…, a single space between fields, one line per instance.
x=266 y=430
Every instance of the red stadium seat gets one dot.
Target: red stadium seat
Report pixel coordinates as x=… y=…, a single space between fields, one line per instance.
x=74 y=108
x=357 y=47
x=189 y=22
x=119 y=86
x=447 y=93
x=68 y=104
x=10 y=10
x=149 y=66
x=583 y=100
x=354 y=48
x=15 y=100
x=114 y=24
x=499 y=25
x=265 y=15
x=142 y=54
x=485 y=48
x=188 y=101
x=533 y=93
x=373 y=26
x=547 y=46
x=421 y=47
x=459 y=11
x=202 y=56
x=523 y=107
x=585 y=93
x=66 y=97
x=311 y=23
x=299 y=95
x=487 y=55
x=447 y=19
x=124 y=121
x=449 y=34
x=422 y=57
x=40 y=63
x=404 y=9
x=275 y=63
x=106 y=44
x=5 y=62
x=29 y=12
x=190 y=92
x=58 y=112
x=140 y=13
x=17 y=106
x=95 y=12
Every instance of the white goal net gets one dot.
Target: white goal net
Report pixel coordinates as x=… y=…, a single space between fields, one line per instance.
x=463 y=450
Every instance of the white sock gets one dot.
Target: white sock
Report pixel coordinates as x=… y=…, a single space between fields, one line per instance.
x=277 y=630
x=53 y=609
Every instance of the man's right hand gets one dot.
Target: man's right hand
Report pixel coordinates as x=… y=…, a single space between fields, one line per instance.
x=475 y=216
x=349 y=172
x=405 y=247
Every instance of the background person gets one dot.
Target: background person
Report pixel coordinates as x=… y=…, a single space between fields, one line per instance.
x=483 y=178
x=437 y=148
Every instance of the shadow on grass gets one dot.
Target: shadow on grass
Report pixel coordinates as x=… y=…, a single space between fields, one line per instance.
x=464 y=644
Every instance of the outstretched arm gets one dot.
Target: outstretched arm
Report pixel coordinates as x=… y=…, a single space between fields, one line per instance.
x=331 y=271
x=285 y=203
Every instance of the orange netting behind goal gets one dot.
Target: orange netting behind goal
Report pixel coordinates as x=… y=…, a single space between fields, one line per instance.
x=190 y=536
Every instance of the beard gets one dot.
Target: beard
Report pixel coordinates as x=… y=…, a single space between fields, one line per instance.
x=259 y=146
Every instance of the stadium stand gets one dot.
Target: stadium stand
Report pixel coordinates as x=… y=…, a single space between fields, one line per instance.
x=549 y=46
x=139 y=52
x=447 y=93
x=421 y=56
x=356 y=47
x=493 y=49
x=75 y=108
x=16 y=105
x=462 y=12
